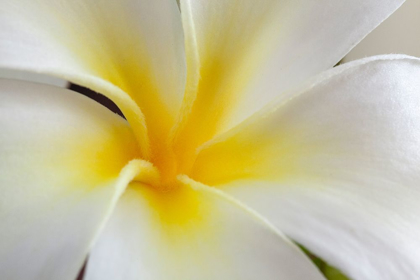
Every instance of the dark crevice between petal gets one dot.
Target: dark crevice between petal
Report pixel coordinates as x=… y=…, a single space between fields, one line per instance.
x=339 y=63
x=101 y=99
x=82 y=272
x=109 y=104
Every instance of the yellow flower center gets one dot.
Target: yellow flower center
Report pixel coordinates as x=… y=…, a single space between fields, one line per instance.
x=161 y=170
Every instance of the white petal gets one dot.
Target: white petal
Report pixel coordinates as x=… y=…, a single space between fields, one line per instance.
x=61 y=158
x=32 y=77
x=191 y=233
x=336 y=167
x=244 y=53
x=136 y=46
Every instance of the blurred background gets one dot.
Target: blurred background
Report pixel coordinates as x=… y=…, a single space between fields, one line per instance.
x=398 y=34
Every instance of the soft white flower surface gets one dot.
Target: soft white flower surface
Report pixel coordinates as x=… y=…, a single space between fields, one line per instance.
x=59 y=170
x=336 y=167
x=229 y=148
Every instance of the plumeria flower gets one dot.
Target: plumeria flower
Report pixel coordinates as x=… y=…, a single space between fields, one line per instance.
x=229 y=148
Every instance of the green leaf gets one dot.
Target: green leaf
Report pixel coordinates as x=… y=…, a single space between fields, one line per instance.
x=330 y=272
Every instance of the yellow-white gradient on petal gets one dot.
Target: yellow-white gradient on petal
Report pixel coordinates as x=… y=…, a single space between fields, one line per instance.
x=63 y=166
x=335 y=167
x=136 y=46
x=194 y=232
x=242 y=54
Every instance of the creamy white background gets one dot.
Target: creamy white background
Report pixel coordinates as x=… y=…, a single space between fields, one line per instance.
x=398 y=34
